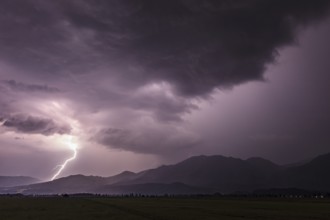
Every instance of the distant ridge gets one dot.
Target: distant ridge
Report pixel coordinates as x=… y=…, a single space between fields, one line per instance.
x=198 y=174
x=10 y=181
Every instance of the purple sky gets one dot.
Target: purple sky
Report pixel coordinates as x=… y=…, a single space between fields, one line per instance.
x=135 y=84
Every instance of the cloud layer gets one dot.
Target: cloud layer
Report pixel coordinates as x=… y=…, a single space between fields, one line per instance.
x=33 y=125
x=22 y=87
x=196 y=46
x=126 y=74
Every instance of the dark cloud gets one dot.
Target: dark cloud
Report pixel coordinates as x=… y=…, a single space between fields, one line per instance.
x=22 y=87
x=147 y=140
x=33 y=125
x=194 y=45
x=164 y=106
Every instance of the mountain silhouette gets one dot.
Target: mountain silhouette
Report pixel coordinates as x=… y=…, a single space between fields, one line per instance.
x=199 y=174
x=9 y=181
x=312 y=176
x=223 y=174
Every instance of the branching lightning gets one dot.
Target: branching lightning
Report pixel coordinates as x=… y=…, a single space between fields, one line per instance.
x=73 y=147
x=61 y=112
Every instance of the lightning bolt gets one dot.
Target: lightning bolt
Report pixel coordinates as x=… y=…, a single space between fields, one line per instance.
x=60 y=110
x=73 y=147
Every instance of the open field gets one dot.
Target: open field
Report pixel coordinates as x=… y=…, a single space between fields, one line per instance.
x=162 y=208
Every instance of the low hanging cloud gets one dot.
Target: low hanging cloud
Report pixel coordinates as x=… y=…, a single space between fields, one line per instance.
x=23 y=87
x=161 y=140
x=32 y=125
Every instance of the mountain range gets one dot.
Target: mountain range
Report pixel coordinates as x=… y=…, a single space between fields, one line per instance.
x=195 y=175
x=10 y=181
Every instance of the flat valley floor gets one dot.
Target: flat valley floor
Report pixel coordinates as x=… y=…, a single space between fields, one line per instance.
x=12 y=208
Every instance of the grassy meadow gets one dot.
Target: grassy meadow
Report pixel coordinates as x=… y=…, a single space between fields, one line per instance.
x=12 y=208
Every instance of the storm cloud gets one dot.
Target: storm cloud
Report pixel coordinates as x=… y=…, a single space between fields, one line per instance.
x=194 y=45
x=139 y=76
